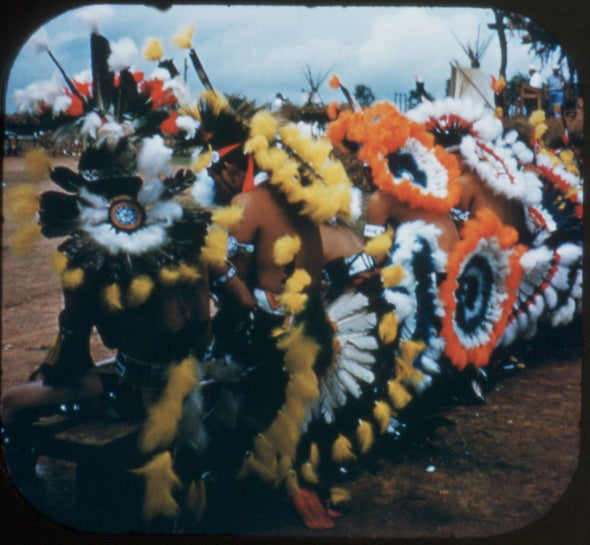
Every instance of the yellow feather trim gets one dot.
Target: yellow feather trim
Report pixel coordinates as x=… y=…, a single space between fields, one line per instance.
x=283 y=434
x=251 y=465
x=256 y=144
x=399 y=396
x=228 y=216
x=382 y=413
x=140 y=289
x=183 y=38
x=308 y=473
x=285 y=249
x=23 y=239
x=388 y=327
x=342 y=450
x=295 y=408
x=264 y=124
x=169 y=276
x=214 y=252
x=152 y=50
x=72 y=278
x=298 y=281
x=37 y=164
x=293 y=303
x=202 y=161
x=300 y=352
x=379 y=246
x=22 y=203
x=410 y=350
x=264 y=450
x=392 y=275
x=189 y=274
x=160 y=481
x=338 y=496
x=59 y=262
x=364 y=435
x=271 y=159
x=314 y=455
x=111 y=296
x=285 y=468
x=162 y=422
x=334 y=173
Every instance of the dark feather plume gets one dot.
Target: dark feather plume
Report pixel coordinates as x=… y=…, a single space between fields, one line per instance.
x=102 y=78
x=58 y=214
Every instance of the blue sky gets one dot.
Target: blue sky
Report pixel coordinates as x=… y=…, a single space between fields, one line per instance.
x=261 y=50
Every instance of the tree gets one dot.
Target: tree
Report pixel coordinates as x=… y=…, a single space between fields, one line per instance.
x=364 y=95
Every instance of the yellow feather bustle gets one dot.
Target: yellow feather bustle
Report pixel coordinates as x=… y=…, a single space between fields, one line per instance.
x=364 y=435
x=23 y=239
x=189 y=274
x=379 y=246
x=391 y=276
x=214 y=252
x=37 y=164
x=285 y=249
x=22 y=203
x=72 y=278
x=292 y=299
x=140 y=289
x=536 y=118
x=388 y=327
x=183 y=37
x=152 y=50
x=160 y=481
x=342 y=450
x=163 y=417
x=399 y=396
x=228 y=216
x=111 y=295
x=283 y=434
x=382 y=413
x=314 y=455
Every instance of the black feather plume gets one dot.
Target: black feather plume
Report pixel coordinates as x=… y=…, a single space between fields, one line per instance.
x=58 y=214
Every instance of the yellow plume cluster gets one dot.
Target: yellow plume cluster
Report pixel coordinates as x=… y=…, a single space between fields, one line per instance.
x=162 y=422
x=292 y=298
x=382 y=413
x=379 y=246
x=364 y=435
x=23 y=239
x=59 y=262
x=183 y=37
x=111 y=296
x=140 y=289
x=285 y=249
x=342 y=450
x=309 y=473
x=568 y=158
x=228 y=216
x=214 y=252
x=399 y=396
x=72 y=278
x=169 y=276
x=202 y=161
x=301 y=169
x=392 y=275
x=160 y=481
x=338 y=496
x=404 y=364
x=37 y=164
x=264 y=124
x=22 y=203
x=152 y=50
x=388 y=327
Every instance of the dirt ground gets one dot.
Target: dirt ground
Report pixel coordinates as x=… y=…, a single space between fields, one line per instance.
x=509 y=468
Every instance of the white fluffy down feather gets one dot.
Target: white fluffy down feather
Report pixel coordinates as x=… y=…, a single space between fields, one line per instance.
x=123 y=54
x=154 y=157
